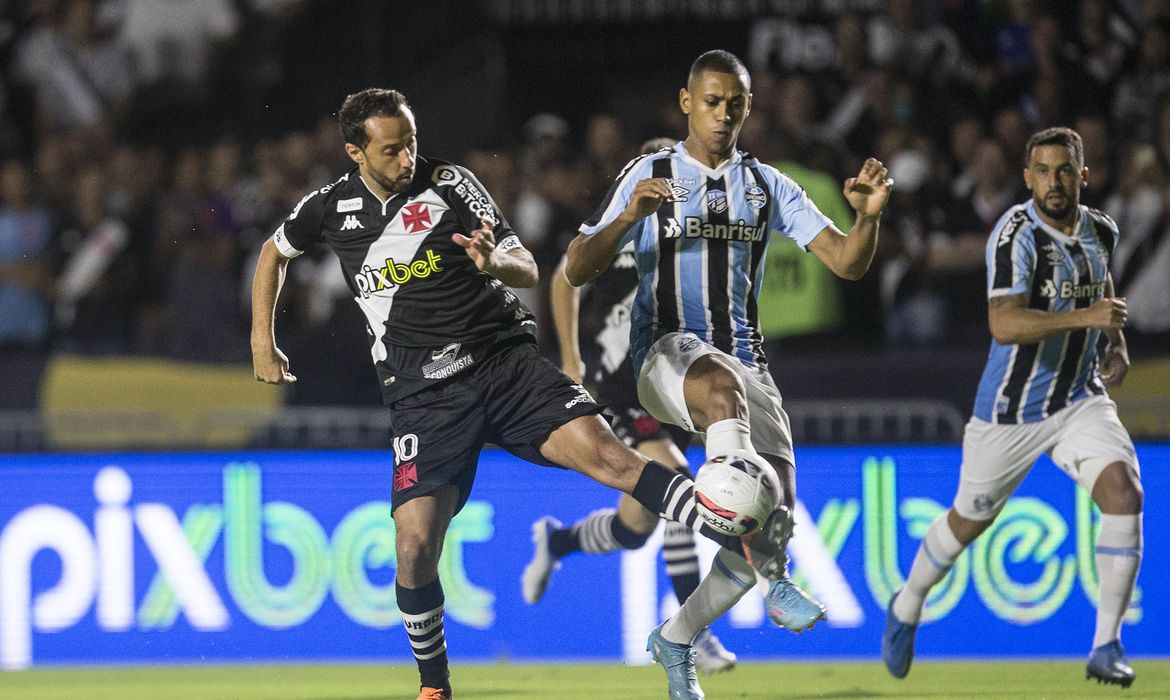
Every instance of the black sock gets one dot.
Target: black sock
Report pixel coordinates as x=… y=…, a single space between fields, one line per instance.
x=422 y=616
x=665 y=491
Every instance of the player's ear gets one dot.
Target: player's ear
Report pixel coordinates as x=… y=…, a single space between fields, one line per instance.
x=684 y=101
x=748 y=107
x=1028 y=178
x=1084 y=176
x=355 y=154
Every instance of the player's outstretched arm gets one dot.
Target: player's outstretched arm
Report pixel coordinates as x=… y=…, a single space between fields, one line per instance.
x=589 y=256
x=1012 y=323
x=565 y=301
x=513 y=265
x=269 y=364
x=849 y=256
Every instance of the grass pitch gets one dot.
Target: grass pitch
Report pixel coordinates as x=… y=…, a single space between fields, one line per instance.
x=750 y=681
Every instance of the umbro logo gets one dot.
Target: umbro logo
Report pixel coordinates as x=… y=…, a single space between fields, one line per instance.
x=351 y=222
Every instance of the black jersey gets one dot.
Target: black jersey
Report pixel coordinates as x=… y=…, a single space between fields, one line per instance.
x=605 y=327
x=429 y=312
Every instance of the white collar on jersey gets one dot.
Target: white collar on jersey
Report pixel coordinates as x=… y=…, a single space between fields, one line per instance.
x=381 y=201
x=1055 y=232
x=681 y=149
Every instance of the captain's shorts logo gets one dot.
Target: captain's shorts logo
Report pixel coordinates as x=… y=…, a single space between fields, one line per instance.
x=405 y=476
x=716 y=201
x=444 y=362
x=393 y=274
x=755 y=196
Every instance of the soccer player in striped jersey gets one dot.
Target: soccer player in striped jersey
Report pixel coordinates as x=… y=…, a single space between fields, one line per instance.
x=601 y=361
x=429 y=259
x=1050 y=299
x=699 y=216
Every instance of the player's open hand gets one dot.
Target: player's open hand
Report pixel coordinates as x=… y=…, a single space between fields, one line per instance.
x=480 y=245
x=1114 y=365
x=870 y=190
x=270 y=366
x=647 y=197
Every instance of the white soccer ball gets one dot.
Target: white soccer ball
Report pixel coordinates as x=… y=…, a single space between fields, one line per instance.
x=736 y=495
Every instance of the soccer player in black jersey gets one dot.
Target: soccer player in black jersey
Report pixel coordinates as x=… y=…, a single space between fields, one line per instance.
x=593 y=330
x=428 y=257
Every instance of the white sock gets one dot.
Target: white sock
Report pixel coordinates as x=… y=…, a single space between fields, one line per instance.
x=1119 y=553
x=727 y=436
x=936 y=555
x=729 y=579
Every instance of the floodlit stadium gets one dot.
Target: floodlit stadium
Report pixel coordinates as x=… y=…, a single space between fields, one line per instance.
x=173 y=528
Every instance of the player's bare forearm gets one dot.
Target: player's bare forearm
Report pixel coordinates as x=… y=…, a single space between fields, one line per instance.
x=269 y=364
x=847 y=256
x=1012 y=323
x=589 y=256
x=565 y=302
x=266 y=285
x=515 y=268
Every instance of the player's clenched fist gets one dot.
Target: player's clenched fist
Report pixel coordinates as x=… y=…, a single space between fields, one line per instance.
x=647 y=197
x=271 y=366
x=1110 y=312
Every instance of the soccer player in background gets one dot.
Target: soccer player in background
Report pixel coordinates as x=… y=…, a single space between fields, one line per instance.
x=602 y=364
x=427 y=254
x=699 y=216
x=1050 y=298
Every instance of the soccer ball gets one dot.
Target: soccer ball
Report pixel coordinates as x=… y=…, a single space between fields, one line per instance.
x=736 y=495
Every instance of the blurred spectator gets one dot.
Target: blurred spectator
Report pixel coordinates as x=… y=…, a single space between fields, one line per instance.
x=1140 y=87
x=1099 y=149
x=97 y=290
x=1141 y=262
x=80 y=79
x=26 y=233
x=194 y=257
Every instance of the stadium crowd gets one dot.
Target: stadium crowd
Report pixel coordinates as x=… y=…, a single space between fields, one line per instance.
x=138 y=176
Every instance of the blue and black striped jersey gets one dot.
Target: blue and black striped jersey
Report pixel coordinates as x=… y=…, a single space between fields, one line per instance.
x=700 y=258
x=1029 y=382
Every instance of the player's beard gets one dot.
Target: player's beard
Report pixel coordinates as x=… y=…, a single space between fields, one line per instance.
x=1056 y=213
x=391 y=186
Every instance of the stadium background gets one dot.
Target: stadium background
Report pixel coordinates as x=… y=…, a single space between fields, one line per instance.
x=149 y=146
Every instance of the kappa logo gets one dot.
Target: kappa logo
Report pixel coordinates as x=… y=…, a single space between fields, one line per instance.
x=351 y=223
x=716 y=201
x=416 y=217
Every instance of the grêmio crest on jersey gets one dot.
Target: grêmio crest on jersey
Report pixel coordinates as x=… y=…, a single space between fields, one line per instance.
x=430 y=312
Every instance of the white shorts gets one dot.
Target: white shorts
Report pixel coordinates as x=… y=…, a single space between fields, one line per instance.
x=660 y=391
x=1081 y=440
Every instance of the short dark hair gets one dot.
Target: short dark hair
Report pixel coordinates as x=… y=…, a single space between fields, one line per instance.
x=718 y=61
x=1057 y=136
x=656 y=144
x=360 y=106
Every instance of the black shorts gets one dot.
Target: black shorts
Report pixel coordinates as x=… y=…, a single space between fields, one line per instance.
x=632 y=423
x=515 y=399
